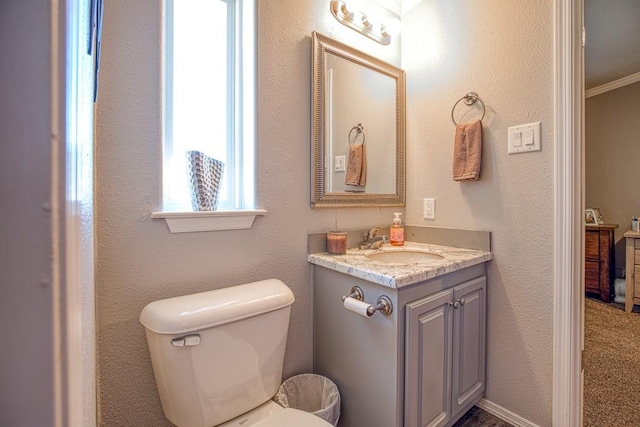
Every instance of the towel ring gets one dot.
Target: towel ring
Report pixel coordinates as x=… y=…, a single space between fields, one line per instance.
x=358 y=128
x=469 y=99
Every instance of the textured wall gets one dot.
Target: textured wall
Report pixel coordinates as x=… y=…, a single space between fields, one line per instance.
x=611 y=157
x=138 y=260
x=504 y=51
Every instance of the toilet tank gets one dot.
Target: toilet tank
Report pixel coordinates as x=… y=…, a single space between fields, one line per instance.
x=218 y=354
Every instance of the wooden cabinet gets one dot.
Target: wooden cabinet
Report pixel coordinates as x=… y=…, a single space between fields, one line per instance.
x=599 y=262
x=445 y=360
x=632 y=267
x=422 y=365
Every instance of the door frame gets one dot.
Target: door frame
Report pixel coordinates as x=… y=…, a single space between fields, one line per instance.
x=568 y=302
x=74 y=365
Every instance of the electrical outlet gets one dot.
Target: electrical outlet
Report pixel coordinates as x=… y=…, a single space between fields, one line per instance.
x=429 y=208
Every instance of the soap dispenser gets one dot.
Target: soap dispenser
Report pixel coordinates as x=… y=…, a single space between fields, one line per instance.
x=397 y=231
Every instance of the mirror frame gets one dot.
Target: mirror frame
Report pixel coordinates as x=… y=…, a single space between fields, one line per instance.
x=323 y=45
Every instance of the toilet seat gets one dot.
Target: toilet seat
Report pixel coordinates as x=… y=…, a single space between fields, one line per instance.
x=290 y=417
x=270 y=414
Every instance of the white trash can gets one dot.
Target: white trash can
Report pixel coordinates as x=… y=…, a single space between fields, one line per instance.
x=311 y=393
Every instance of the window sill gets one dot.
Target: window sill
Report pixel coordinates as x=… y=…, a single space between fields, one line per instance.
x=190 y=222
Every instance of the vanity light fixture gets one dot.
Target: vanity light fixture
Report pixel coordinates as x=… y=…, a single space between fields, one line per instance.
x=359 y=22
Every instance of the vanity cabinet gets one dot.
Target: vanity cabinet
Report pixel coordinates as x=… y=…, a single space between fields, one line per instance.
x=422 y=365
x=445 y=354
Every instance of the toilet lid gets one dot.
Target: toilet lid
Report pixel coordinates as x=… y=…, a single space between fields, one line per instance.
x=290 y=417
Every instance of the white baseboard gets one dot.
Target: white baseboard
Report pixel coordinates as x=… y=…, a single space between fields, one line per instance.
x=504 y=414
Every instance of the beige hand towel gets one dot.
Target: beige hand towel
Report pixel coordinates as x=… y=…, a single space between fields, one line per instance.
x=467 y=152
x=356 y=166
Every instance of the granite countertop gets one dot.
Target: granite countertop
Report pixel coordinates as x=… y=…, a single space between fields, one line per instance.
x=355 y=263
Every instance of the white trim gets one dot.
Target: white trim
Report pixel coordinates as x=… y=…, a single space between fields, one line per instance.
x=189 y=222
x=504 y=414
x=79 y=329
x=60 y=397
x=568 y=196
x=616 y=84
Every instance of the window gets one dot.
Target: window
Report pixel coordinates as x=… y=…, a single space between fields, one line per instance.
x=209 y=92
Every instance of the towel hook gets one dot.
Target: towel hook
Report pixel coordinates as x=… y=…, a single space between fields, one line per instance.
x=359 y=128
x=469 y=99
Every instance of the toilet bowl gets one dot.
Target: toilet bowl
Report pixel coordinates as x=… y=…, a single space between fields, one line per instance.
x=217 y=356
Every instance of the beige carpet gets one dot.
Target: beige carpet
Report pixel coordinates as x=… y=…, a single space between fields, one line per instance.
x=611 y=366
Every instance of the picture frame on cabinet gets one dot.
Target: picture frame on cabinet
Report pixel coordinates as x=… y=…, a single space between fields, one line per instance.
x=599 y=219
x=590 y=217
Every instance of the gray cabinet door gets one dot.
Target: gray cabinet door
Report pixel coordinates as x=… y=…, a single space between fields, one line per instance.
x=468 y=344
x=445 y=354
x=429 y=328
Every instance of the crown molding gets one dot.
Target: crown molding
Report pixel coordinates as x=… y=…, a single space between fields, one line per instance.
x=616 y=84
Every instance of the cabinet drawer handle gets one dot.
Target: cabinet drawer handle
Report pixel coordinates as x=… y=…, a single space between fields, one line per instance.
x=462 y=301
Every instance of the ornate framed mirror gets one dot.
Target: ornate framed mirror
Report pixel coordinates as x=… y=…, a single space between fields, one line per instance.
x=358 y=133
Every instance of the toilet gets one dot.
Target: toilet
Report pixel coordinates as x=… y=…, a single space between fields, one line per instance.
x=217 y=356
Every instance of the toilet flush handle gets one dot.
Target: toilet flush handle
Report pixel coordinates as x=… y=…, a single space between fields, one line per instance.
x=186 y=341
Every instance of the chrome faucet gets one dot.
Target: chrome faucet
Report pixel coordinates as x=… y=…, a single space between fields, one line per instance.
x=372 y=241
x=372 y=233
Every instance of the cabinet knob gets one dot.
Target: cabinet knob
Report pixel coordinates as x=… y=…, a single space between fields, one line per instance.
x=457 y=303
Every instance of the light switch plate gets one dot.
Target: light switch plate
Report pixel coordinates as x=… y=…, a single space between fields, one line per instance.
x=524 y=138
x=339 y=164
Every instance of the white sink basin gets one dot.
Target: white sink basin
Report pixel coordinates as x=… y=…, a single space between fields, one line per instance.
x=405 y=257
